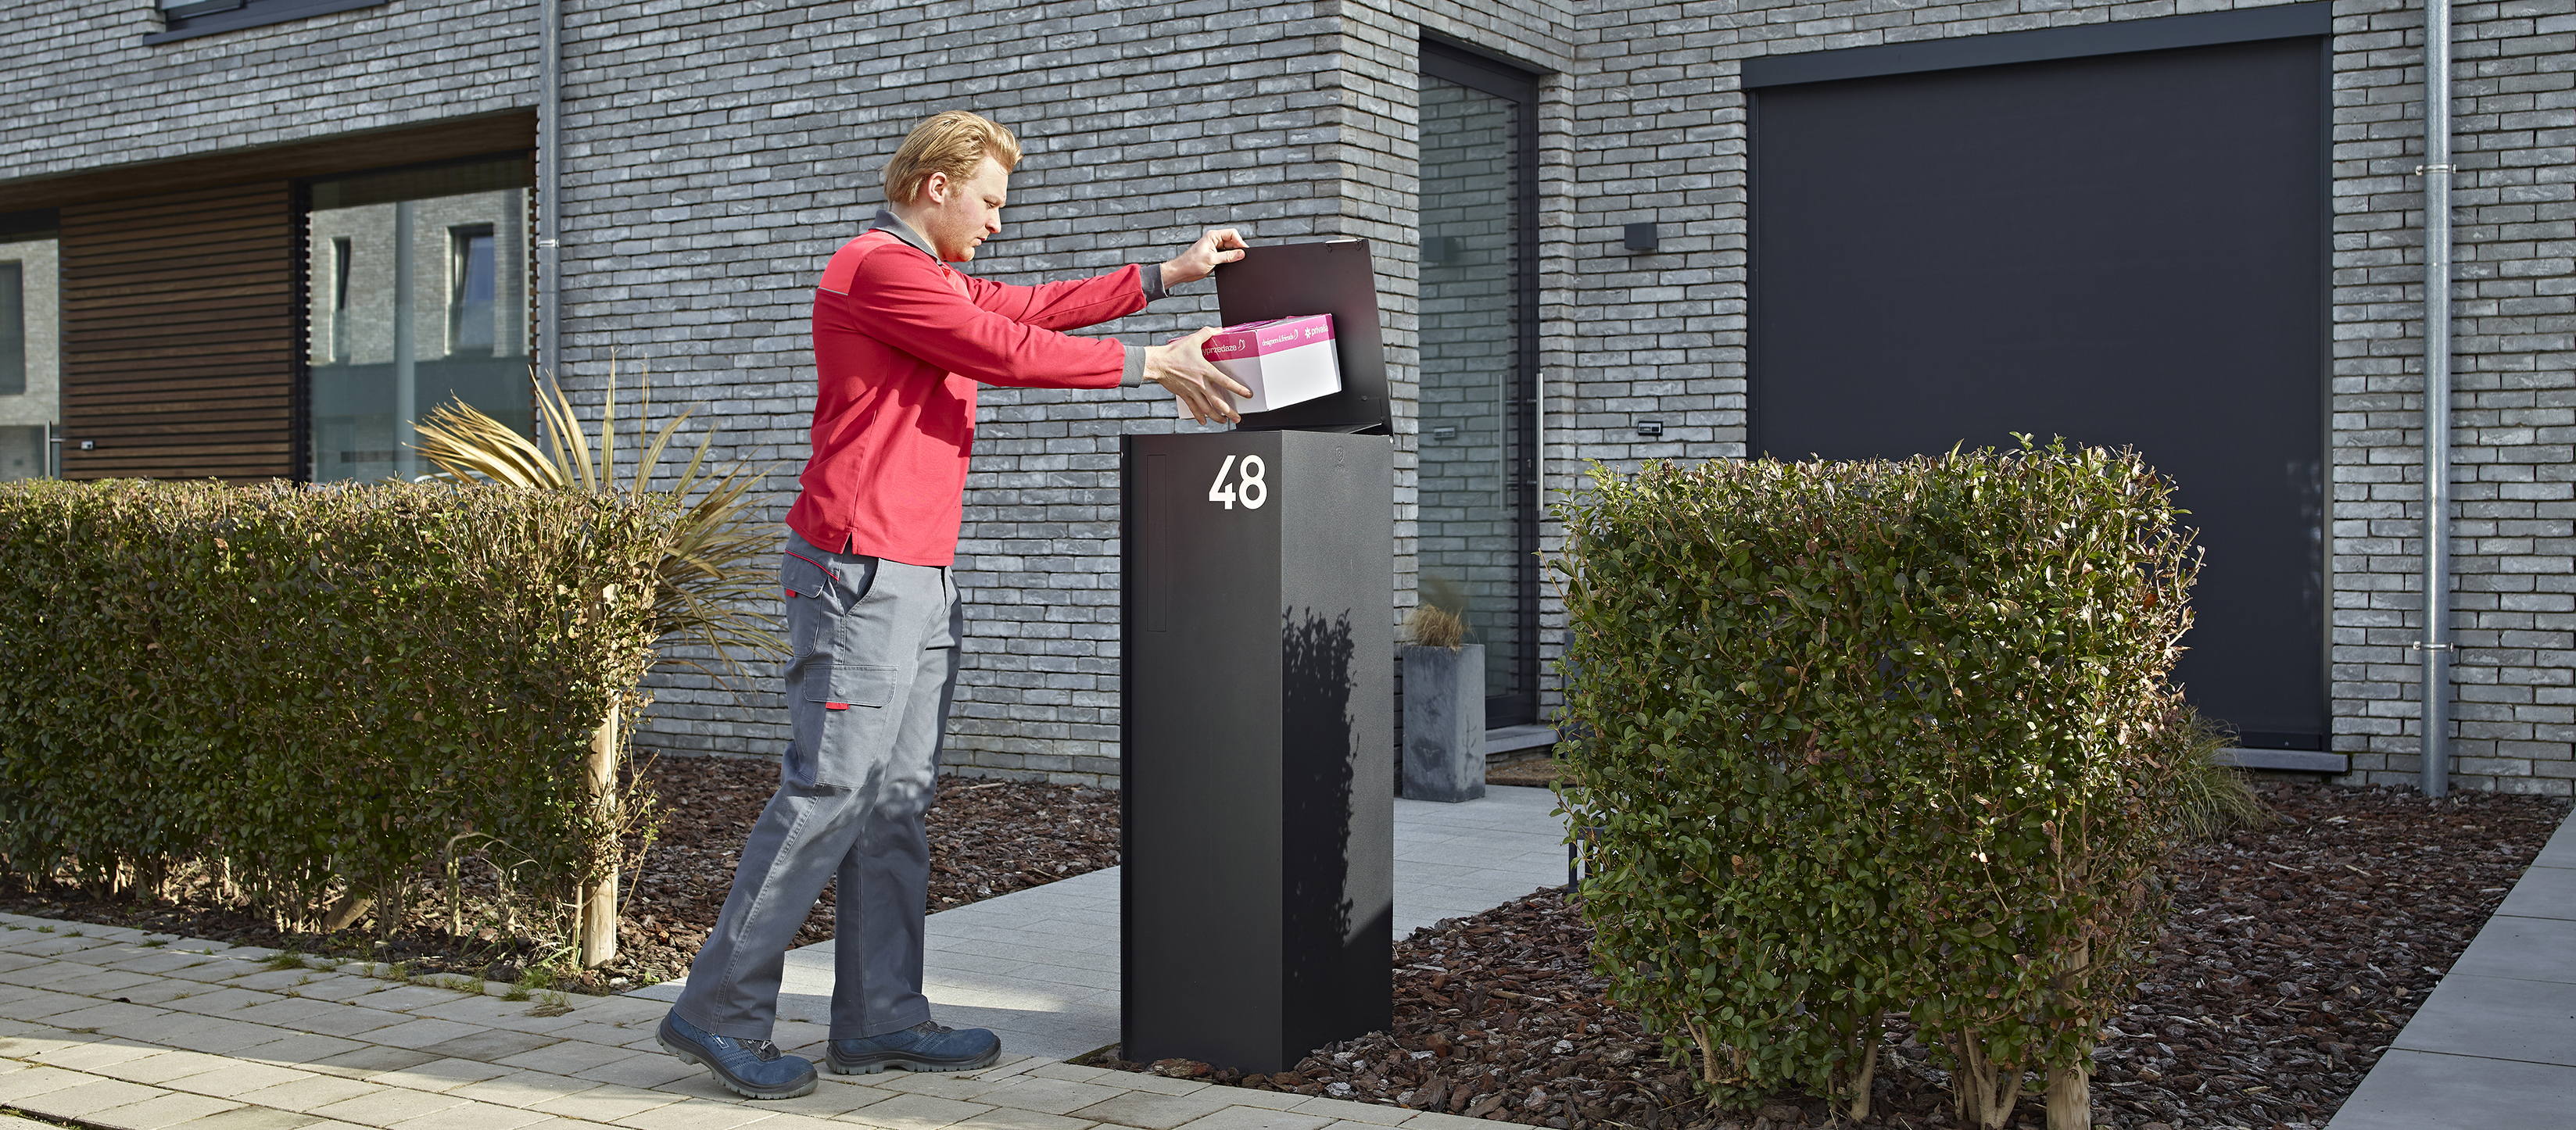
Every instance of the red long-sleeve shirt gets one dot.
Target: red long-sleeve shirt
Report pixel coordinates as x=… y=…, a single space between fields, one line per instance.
x=900 y=342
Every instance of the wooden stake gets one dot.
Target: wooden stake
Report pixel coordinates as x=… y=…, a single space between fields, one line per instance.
x=599 y=897
x=2070 y=1089
x=2070 y=1098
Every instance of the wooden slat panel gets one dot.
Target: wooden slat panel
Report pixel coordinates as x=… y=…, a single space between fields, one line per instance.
x=202 y=255
x=218 y=389
x=181 y=379
x=179 y=344
x=98 y=298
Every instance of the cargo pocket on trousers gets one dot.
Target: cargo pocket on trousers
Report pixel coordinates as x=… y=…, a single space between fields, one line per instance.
x=846 y=686
x=841 y=711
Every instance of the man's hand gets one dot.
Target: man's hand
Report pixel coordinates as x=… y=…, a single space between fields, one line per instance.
x=1218 y=246
x=1185 y=372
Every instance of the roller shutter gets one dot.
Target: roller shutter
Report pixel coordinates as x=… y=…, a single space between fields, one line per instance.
x=2124 y=249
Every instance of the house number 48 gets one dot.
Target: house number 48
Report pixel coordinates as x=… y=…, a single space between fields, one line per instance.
x=1248 y=487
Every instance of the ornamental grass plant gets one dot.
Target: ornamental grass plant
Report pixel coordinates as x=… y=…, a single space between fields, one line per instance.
x=1878 y=738
x=709 y=583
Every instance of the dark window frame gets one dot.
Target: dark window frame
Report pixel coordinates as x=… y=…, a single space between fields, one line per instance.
x=1466 y=66
x=2157 y=33
x=13 y=315
x=460 y=282
x=209 y=17
x=342 y=248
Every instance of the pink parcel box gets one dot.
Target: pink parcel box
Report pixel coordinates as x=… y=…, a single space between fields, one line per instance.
x=1283 y=361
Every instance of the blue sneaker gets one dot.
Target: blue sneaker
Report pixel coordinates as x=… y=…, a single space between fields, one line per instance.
x=923 y=1047
x=750 y=1068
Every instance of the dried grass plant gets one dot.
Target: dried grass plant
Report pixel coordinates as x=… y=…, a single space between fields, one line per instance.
x=1440 y=620
x=719 y=563
x=2215 y=799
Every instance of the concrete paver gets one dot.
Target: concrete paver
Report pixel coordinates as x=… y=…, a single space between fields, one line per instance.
x=473 y=1116
x=1149 y=1111
x=159 y=1111
x=524 y=1088
x=1009 y=1119
x=232 y=1079
x=1049 y=1096
x=86 y=1097
x=606 y=1103
x=920 y=1112
x=441 y=1075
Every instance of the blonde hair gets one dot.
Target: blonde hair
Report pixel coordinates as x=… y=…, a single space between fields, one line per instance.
x=954 y=142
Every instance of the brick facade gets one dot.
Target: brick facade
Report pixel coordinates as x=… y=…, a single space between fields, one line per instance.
x=715 y=156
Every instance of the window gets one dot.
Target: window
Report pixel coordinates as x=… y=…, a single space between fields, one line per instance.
x=406 y=272
x=30 y=403
x=188 y=19
x=13 y=329
x=469 y=303
x=339 y=354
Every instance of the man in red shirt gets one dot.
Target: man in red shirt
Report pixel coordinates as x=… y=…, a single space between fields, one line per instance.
x=901 y=341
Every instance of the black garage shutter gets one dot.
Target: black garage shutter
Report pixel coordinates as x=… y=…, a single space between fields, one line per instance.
x=2122 y=249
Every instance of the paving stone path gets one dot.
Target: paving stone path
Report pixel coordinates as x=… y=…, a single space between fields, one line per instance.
x=131 y=1031
x=116 y=1028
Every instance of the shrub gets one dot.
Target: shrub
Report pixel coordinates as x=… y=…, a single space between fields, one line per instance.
x=314 y=689
x=1876 y=737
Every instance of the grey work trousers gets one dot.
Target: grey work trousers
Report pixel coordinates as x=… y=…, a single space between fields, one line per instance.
x=868 y=689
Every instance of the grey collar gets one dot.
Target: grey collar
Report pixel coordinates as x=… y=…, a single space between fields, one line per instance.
x=886 y=221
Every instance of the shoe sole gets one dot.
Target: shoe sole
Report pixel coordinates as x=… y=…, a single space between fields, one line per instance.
x=908 y=1063
x=746 y=1090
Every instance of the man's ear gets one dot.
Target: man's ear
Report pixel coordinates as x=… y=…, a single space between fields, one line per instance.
x=934 y=189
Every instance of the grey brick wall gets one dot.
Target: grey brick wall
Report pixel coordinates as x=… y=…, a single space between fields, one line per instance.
x=717 y=155
x=85 y=92
x=2513 y=399
x=1663 y=139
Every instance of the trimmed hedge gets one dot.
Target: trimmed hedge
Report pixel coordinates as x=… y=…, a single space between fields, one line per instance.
x=317 y=690
x=1872 y=738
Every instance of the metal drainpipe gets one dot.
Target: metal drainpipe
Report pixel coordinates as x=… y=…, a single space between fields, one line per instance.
x=549 y=180
x=2436 y=171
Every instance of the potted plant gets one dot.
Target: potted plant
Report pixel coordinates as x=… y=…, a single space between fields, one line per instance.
x=1444 y=701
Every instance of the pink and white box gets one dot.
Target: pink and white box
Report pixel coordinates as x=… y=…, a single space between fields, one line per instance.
x=1283 y=361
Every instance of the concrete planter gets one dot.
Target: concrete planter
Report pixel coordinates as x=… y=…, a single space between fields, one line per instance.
x=1444 y=723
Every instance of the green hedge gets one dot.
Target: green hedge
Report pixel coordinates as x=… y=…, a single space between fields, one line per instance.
x=1873 y=738
x=316 y=690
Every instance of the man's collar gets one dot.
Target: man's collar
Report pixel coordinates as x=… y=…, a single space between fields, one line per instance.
x=887 y=221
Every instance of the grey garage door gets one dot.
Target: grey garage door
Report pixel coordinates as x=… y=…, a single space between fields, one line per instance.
x=2122 y=249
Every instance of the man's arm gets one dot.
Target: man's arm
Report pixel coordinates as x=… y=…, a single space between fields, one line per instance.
x=1067 y=304
x=906 y=301
x=1074 y=303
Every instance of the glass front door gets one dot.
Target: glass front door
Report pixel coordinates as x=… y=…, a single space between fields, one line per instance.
x=415 y=291
x=1478 y=516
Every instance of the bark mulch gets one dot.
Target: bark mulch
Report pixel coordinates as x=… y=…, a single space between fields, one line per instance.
x=986 y=838
x=1534 y=770
x=2293 y=955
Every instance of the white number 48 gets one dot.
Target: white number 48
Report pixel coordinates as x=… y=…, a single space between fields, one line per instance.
x=1248 y=488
